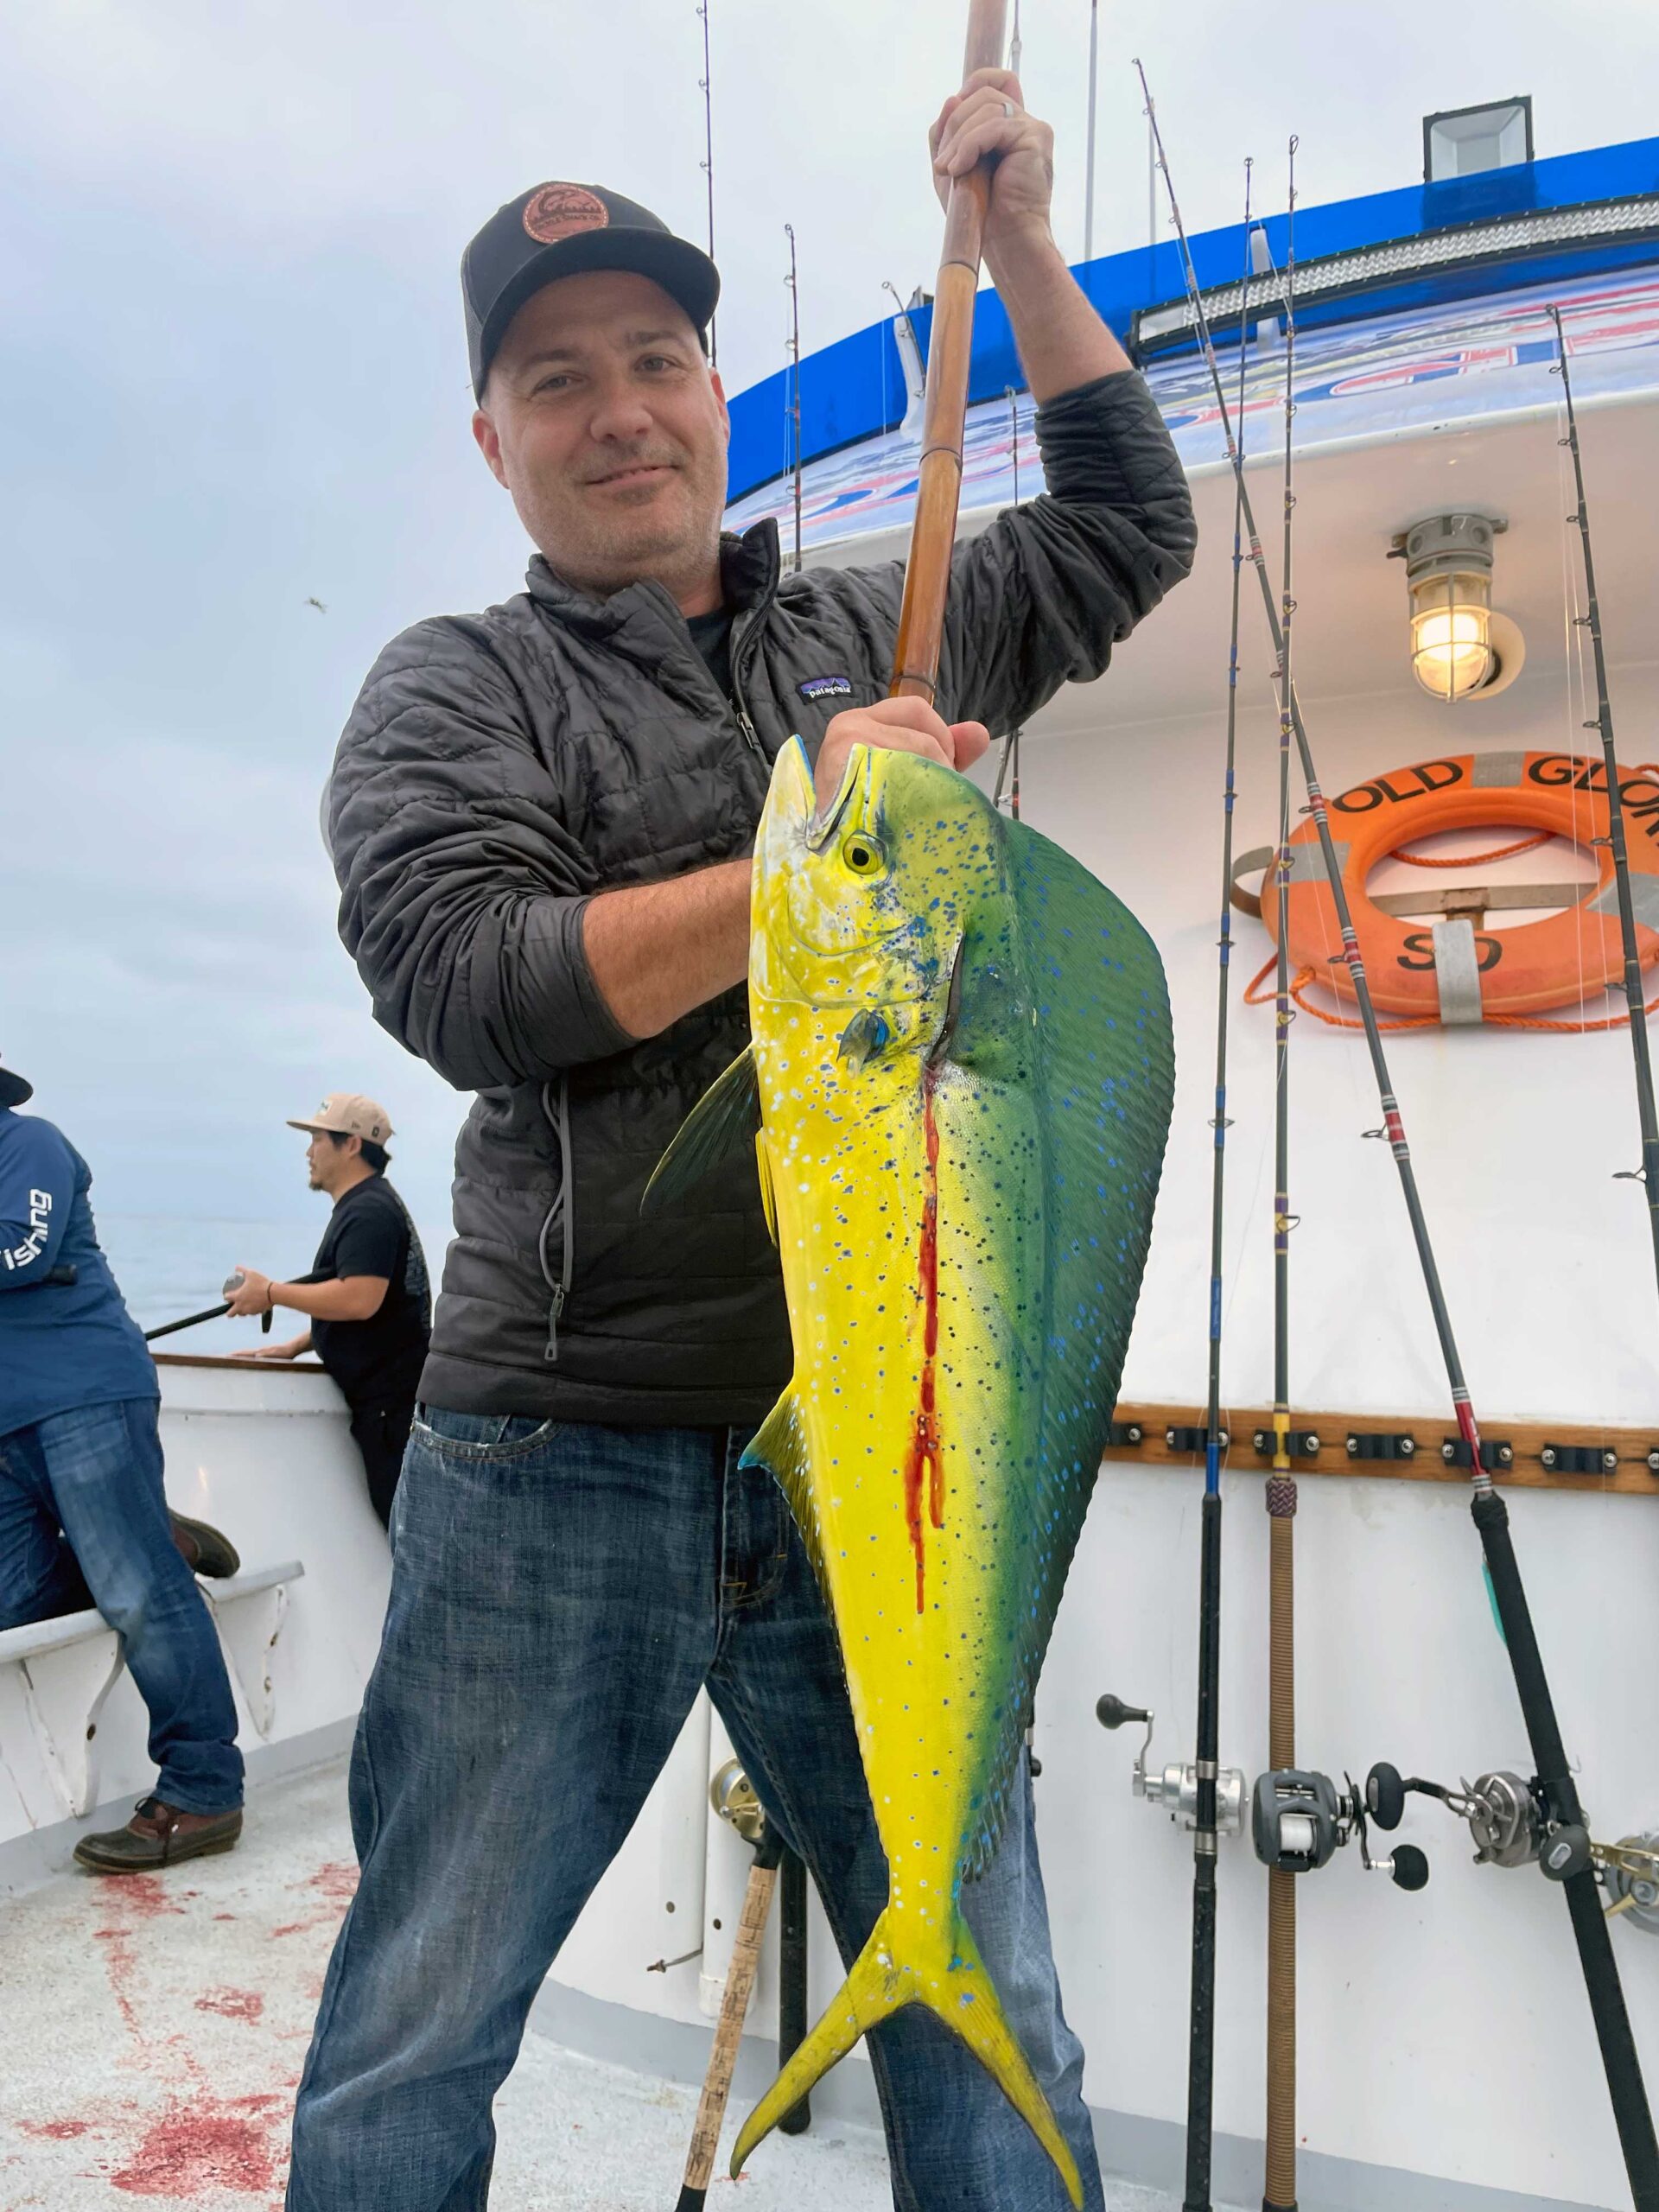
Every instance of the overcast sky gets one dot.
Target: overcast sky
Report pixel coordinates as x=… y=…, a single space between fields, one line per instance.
x=232 y=378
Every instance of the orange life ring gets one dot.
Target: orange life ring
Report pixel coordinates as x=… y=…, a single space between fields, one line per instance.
x=1570 y=956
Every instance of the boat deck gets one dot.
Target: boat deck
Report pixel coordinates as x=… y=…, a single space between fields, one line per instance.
x=156 y=2025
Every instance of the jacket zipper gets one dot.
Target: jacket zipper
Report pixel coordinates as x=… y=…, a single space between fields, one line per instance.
x=740 y=629
x=558 y=1115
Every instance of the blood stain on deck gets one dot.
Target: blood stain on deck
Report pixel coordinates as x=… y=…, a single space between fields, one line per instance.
x=233 y=2004
x=336 y=1880
x=192 y=2149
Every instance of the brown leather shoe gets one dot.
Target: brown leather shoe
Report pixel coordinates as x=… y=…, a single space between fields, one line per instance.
x=157 y=1835
x=205 y=1549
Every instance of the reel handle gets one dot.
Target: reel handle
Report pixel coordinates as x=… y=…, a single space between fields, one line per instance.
x=1112 y=1713
x=1407 y=1867
x=232 y=1284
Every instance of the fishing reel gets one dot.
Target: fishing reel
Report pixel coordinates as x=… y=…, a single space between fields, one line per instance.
x=1511 y=1826
x=1504 y=1814
x=1630 y=1872
x=737 y=1801
x=1299 y=1821
x=1176 y=1787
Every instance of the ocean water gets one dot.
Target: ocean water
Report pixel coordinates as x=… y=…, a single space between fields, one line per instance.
x=168 y=1266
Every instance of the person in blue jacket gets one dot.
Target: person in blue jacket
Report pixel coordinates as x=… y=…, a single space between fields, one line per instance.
x=83 y=1517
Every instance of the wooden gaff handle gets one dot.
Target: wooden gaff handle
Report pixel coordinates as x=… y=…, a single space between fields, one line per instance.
x=933 y=529
x=728 y=2031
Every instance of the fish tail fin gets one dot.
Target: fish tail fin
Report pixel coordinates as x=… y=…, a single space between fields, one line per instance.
x=950 y=1978
x=877 y=1987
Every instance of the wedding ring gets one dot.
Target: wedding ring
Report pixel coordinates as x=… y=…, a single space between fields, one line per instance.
x=1007 y=107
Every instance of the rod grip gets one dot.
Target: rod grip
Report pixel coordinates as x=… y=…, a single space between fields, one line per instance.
x=793 y=1979
x=1623 y=2070
x=1492 y=1518
x=1201 y=2048
x=728 y=2031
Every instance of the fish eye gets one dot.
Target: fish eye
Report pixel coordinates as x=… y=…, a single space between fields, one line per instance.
x=863 y=853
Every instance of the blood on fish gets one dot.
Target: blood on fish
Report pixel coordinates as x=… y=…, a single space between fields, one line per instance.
x=924 y=1452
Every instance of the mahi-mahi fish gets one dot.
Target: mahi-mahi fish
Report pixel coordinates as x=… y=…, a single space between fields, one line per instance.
x=958 y=1090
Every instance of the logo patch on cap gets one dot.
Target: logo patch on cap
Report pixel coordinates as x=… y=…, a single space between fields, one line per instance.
x=557 y=211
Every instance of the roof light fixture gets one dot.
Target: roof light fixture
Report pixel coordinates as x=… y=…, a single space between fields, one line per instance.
x=1463 y=140
x=1449 y=580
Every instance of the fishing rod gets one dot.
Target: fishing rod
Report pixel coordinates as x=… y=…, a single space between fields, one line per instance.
x=938 y=485
x=1603 y=724
x=1202 y=2016
x=232 y=1284
x=1089 y=173
x=705 y=86
x=1010 y=761
x=915 y=663
x=792 y=281
x=733 y=1799
x=1279 y=2184
x=1555 y=1793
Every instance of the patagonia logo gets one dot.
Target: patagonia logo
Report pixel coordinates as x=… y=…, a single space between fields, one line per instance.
x=826 y=687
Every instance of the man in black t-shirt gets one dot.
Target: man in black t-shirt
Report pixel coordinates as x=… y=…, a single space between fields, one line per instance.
x=371 y=1310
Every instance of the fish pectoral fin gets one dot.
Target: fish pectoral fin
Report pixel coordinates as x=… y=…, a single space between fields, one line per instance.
x=780 y=1445
x=725 y=1120
x=940 y=1048
x=768 y=1196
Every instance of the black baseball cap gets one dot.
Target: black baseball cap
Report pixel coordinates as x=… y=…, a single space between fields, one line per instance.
x=561 y=230
x=13 y=1089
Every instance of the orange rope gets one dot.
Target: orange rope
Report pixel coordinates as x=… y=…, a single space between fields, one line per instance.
x=1304 y=977
x=1267 y=997
x=1473 y=860
x=1566 y=1029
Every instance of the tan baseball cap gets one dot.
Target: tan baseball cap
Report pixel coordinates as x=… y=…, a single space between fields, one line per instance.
x=348 y=1113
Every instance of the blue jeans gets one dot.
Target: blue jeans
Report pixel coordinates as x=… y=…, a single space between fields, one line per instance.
x=559 y=1595
x=83 y=1522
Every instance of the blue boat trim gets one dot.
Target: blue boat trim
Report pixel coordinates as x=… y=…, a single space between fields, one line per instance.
x=856 y=388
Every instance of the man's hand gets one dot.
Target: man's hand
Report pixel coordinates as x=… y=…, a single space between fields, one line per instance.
x=292 y=1349
x=1062 y=343
x=253 y=1297
x=987 y=119
x=900 y=725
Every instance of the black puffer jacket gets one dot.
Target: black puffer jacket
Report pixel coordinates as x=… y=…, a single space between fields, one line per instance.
x=498 y=769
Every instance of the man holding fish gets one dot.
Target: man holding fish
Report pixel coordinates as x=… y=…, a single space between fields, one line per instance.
x=544 y=820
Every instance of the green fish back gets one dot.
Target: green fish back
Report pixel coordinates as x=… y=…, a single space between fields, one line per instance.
x=1103 y=1070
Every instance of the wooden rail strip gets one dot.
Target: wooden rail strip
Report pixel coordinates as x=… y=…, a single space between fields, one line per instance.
x=1633 y=1475
x=241 y=1366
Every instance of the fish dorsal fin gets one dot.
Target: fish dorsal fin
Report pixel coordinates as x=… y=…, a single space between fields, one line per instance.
x=725 y=1121
x=768 y=1196
x=779 y=1444
x=1090 y=992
